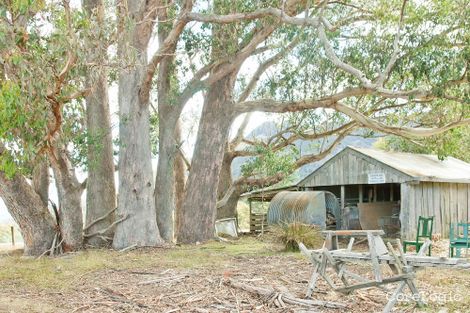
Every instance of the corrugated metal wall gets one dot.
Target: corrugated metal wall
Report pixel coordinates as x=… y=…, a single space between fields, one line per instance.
x=309 y=207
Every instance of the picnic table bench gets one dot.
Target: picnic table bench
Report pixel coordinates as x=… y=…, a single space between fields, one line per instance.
x=403 y=265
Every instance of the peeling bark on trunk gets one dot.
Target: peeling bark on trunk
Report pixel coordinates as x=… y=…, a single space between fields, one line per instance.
x=168 y=144
x=136 y=193
x=165 y=180
x=70 y=192
x=229 y=209
x=136 y=190
x=198 y=210
x=41 y=181
x=36 y=224
x=168 y=148
x=101 y=190
x=180 y=180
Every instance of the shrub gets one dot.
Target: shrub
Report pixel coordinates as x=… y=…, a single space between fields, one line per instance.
x=291 y=234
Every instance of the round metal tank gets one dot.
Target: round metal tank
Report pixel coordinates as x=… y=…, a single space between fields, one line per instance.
x=308 y=207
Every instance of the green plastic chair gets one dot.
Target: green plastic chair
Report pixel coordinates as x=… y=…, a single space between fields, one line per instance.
x=458 y=238
x=425 y=225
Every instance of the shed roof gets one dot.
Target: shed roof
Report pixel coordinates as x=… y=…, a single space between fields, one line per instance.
x=422 y=167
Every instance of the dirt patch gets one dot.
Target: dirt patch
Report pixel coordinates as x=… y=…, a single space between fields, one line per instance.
x=191 y=279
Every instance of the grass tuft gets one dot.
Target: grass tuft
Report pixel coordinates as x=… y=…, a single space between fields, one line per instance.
x=291 y=234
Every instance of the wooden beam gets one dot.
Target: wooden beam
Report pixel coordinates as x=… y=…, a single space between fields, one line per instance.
x=12 y=229
x=354 y=233
x=391 y=192
x=374 y=283
x=343 y=197
x=361 y=193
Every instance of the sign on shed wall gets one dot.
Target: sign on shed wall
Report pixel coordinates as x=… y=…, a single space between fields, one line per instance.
x=376 y=178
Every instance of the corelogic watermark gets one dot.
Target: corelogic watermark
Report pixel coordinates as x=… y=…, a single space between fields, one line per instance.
x=429 y=297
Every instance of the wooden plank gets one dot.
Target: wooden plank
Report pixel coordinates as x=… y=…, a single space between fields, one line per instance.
x=462 y=202
x=423 y=205
x=379 y=245
x=374 y=258
x=436 y=202
x=453 y=203
x=343 y=198
x=412 y=216
x=353 y=232
x=417 y=296
x=404 y=211
x=353 y=174
x=368 y=284
x=430 y=199
x=468 y=202
x=445 y=211
x=393 y=299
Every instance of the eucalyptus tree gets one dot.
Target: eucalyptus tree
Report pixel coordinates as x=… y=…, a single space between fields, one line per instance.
x=455 y=143
x=47 y=61
x=136 y=201
x=40 y=74
x=383 y=65
x=101 y=190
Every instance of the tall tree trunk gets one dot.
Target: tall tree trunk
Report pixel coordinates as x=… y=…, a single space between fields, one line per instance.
x=136 y=200
x=41 y=180
x=37 y=226
x=168 y=143
x=101 y=190
x=70 y=193
x=198 y=210
x=229 y=209
x=180 y=181
x=165 y=180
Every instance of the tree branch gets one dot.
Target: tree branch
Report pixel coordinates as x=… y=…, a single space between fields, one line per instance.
x=105 y=230
x=168 y=47
x=400 y=131
x=384 y=75
x=99 y=219
x=280 y=15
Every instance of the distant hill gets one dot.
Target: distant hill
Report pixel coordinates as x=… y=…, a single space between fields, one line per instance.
x=268 y=129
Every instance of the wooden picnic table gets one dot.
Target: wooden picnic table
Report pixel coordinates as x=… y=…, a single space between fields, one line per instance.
x=402 y=265
x=332 y=236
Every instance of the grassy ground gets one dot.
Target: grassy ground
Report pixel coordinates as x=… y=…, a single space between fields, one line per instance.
x=190 y=279
x=60 y=272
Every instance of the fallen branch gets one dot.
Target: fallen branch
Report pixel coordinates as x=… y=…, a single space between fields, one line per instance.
x=128 y=248
x=163 y=279
x=279 y=299
x=99 y=219
x=118 y=297
x=104 y=231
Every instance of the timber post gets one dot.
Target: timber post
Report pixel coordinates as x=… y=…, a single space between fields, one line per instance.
x=12 y=230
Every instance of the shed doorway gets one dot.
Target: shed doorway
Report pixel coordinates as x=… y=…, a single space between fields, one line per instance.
x=368 y=206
